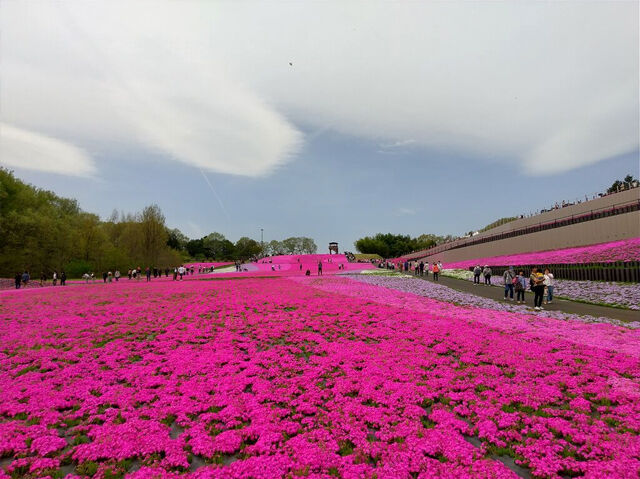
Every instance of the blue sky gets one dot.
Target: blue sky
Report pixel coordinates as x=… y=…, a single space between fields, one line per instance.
x=328 y=120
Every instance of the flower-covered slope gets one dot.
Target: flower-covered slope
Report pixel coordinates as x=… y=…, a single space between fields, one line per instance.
x=624 y=250
x=316 y=378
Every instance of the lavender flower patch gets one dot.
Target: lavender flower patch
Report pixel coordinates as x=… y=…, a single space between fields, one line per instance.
x=444 y=293
x=624 y=295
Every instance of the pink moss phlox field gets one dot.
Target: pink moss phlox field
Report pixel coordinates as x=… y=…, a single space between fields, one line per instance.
x=624 y=250
x=315 y=377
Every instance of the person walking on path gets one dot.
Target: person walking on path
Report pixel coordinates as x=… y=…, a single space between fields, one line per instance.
x=63 y=279
x=104 y=276
x=509 y=277
x=148 y=273
x=319 y=268
x=477 y=271
x=54 y=279
x=436 y=271
x=25 y=278
x=18 y=280
x=43 y=279
x=421 y=268
x=536 y=280
x=520 y=287
x=116 y=275
x=487 y=275
x=181 y=271
x=548 y=286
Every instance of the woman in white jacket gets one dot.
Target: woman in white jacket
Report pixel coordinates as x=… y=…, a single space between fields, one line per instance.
x=548 y=286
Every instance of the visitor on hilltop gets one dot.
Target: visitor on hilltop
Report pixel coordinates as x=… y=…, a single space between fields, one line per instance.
x=175 y=273
x=166 y=272
x=421 y=268
x=139 y=273
x=104 y=276
x=129 y=274
x=548 y=286
x=25 y=278
x=86 y=278
x=54 y=278
x=110 y=277
x=487 y=275
x=93 y=277
x=181 y=271
x=520 y=287
x=148 y=273
x=477 y=271
x=18 y=280
x=319 y=268
x=43 y=278
x=406 y=266
x=116 y=275
x=536 y=283
x=510 y=279
x=436 y=271
x=63 y=279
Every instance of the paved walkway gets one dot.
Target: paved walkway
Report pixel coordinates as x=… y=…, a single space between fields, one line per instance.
x=497 y=293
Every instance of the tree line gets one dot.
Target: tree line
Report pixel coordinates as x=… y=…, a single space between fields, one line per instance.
x=390 y=245
x=43 y=232
x=216 y=246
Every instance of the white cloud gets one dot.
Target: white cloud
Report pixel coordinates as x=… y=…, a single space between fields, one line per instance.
x=551 y=85
x=32 y=151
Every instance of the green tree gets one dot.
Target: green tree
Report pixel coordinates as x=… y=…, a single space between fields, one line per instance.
x=246 y=248
x=389 y=245
x=274 y=248
x=308 y=246
x=176 y=240
x=153 y=234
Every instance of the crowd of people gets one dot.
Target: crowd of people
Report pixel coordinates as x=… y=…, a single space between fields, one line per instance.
x=540 y=283
x=419 y=269
x=23 y=280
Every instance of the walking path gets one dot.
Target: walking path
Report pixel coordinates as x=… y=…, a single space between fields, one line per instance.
x=574 y=307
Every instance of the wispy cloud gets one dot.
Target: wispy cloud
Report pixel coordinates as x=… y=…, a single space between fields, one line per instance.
x=405 y=212
x=26 y=149
x=398 y=144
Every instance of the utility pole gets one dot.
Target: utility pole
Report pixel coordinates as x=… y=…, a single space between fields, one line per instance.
x=262 y=240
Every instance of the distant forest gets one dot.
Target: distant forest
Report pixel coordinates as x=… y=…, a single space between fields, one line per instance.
x=41 y=232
